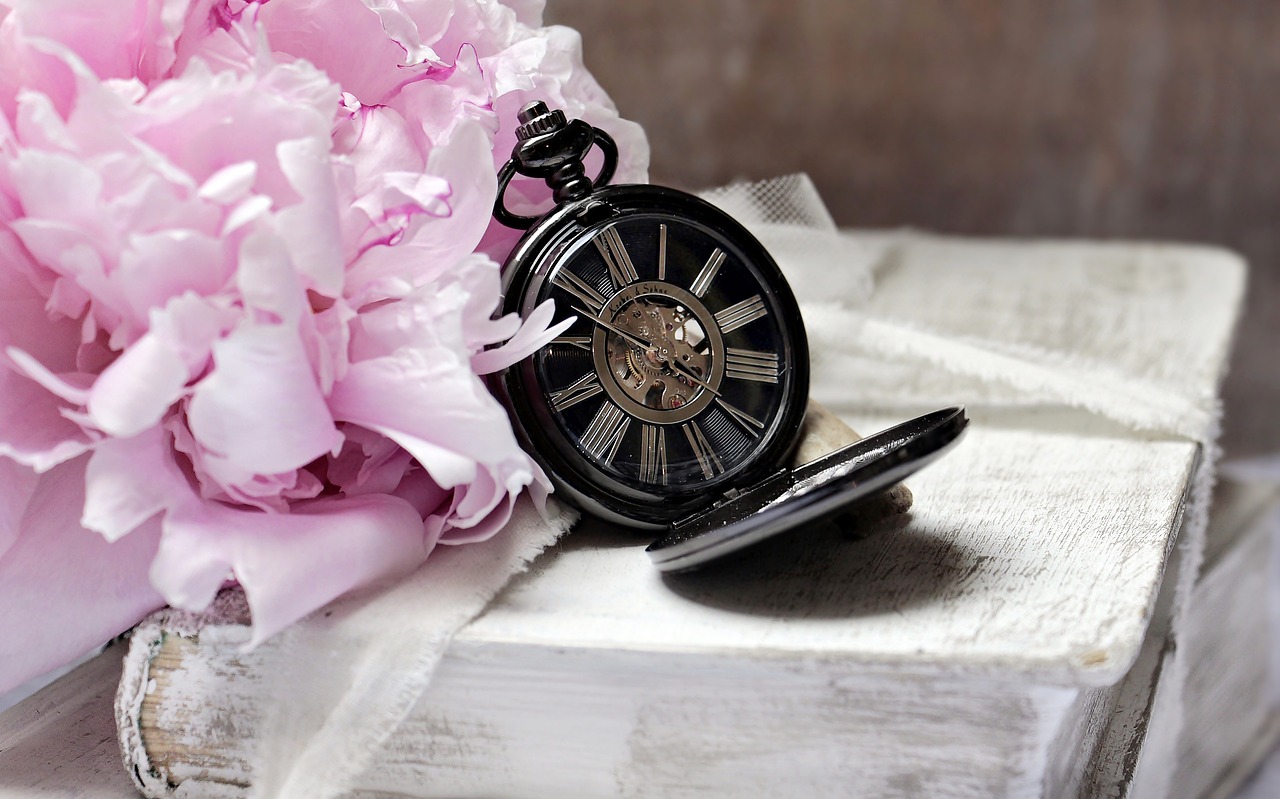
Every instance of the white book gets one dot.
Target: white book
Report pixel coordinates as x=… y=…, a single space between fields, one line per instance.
x=62 y=742
x=1011 y=639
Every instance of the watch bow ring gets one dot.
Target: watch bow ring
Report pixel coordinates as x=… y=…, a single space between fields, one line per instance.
x=553 y=148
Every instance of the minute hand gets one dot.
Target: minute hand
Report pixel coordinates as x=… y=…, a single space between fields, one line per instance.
x=634 y=339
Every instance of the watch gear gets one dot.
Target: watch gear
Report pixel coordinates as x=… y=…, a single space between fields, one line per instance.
x=647 y=374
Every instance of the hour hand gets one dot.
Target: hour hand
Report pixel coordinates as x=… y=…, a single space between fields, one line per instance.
x=685 y=372
x=629 y=336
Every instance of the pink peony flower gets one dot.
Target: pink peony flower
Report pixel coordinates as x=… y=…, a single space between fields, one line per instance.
x=248 y=282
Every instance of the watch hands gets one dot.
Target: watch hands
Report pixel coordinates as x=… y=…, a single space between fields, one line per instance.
x=689 y=375
x=682 y=370
x=634 y=339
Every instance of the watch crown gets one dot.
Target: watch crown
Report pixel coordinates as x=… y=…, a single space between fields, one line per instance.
x=536 y=119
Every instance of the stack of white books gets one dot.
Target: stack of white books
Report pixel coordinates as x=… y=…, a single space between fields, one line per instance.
x=1056 y=617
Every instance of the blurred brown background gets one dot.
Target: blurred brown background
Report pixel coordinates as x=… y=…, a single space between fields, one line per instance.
x=1141 y=120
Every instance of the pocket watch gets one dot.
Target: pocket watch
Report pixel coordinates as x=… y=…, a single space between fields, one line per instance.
x=675 y=398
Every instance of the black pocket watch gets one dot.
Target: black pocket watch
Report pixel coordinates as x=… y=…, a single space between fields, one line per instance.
x=673 y=401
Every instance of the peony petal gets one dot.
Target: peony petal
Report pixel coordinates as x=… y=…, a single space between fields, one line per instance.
x=250 y=210
x=60 y=187
x=465 y=426
x=405 y=194
x=528 y=12
x=202 y=122
x=474 y=501
x=532 y=336
x=17 y=484
x=72 y=388
x=260 y=410
x=289 y=564
x=267 y=279
x=429 y=319
x=24 y=322
x=139 y=386
x=229 y=184
x=311 y=228
x=33 y=429
x=447 y=468
x=425 y=495
x=66 y=250
x=156 y=267
x=130 y=480
x=66 y=590
x=138 y=37
x=484 y=527
x=135 y=391
x=39 y=126
x=480 y=279
x=400 y=23
x=381 y=141
x=443 y=100
x=28 y=66
x=368 y=464
x=490 y=27
x=435 y=245
x=341 y=37
x=189 y=324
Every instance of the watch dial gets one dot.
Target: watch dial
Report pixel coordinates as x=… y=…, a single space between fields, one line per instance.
x=680 y=367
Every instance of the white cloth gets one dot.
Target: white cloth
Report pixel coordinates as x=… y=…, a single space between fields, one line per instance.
x=370 y=656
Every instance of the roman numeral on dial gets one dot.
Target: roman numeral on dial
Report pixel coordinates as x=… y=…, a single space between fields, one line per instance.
x=752 y=424
x=653 y=454
x=662 y=252
x=581 y=342
x=702 y=450
x=741 y=313
x=583 y=388
x=761 y=367
x=580 y=289
x=605 y=432
x=615 y=255
x=703 y=281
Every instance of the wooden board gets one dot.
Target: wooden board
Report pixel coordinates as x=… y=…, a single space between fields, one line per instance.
x=61 y=743
x=1138 y=120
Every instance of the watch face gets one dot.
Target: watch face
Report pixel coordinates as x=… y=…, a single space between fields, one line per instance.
x=685 y=372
